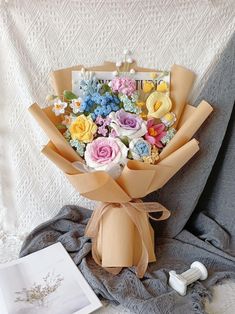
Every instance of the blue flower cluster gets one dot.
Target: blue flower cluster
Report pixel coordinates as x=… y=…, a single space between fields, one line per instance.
x=90 y=86
x=169 y=135
x=142 y=148
x=79 y=146
x=130 y=104
x=100 y=105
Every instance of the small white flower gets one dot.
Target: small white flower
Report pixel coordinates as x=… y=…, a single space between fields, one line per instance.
x=118 y=63
x=126 y=52
x=129 y=60
x=75 y=104
x=115 y=73
x=59 y=107
x=132 y=71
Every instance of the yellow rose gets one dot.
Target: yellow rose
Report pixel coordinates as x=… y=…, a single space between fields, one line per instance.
x=83 y=129
x=158 y=104
x=147 y=86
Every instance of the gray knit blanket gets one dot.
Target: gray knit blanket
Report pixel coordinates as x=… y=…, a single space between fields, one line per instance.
x=202 y=226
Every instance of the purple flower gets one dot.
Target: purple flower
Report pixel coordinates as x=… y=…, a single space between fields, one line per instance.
x=99 y=120
x=103 y=123
x=102 y=130
x=127 y=124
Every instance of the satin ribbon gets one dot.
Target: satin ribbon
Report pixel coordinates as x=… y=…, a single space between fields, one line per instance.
x=92 y=229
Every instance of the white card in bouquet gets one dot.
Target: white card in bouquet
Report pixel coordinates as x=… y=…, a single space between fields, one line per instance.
x=105 y=77
x=45 y=282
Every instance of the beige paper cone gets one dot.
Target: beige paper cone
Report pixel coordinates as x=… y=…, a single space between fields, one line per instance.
x=54 y=134
x=117 y=248
x=188 y=128
x=169 y=166
x=99 y=186
x=63 y=164
x=188 y=111
x=182 y=81
x=123 y=248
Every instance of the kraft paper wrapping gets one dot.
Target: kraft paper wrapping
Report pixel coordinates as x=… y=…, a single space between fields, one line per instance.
x=137 y=179
x=137 y=234
x=188 y=128
x=128 y=253
x=182 y=81
x=53 y=133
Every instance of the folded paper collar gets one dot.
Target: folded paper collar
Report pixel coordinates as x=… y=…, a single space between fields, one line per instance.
x=132 y=209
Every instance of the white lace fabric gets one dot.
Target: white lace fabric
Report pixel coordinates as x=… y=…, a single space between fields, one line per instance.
x=37 y=37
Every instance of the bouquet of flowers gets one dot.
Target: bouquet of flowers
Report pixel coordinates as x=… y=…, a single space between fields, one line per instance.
x=120 y=132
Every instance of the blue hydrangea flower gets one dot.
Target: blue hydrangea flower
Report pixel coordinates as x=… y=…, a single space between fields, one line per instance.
x=79 y=146
x=89 y=87
x=139 y=148
x=130 y=104
x=100 y=105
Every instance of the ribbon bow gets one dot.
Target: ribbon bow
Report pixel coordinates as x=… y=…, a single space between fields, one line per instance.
x=132 y=209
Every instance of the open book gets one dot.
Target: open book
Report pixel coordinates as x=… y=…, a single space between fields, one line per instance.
x=45 y=282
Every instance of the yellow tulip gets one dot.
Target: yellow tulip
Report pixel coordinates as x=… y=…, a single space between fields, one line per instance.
x=158 y=104
x=162 y=87
x=147 y=86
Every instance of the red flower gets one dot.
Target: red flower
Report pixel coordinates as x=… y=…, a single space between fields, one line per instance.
x=155 y=133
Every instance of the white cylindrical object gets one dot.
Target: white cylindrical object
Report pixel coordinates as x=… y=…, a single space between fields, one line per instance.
x=191 y=275
x=179 y=282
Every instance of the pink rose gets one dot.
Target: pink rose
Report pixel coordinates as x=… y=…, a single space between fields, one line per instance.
x=105 y=153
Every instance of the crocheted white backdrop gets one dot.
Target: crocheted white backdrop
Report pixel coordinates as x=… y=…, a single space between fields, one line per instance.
x=37 y=37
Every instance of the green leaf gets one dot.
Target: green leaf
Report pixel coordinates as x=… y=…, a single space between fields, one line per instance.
x=105 y=88
x=125 y=140
x=69 y=95
x=129 y=155
x=60 y=126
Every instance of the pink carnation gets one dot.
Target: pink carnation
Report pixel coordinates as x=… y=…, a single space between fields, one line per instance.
x=123 y=85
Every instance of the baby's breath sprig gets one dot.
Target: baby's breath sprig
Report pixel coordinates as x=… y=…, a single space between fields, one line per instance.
x=126 y=65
